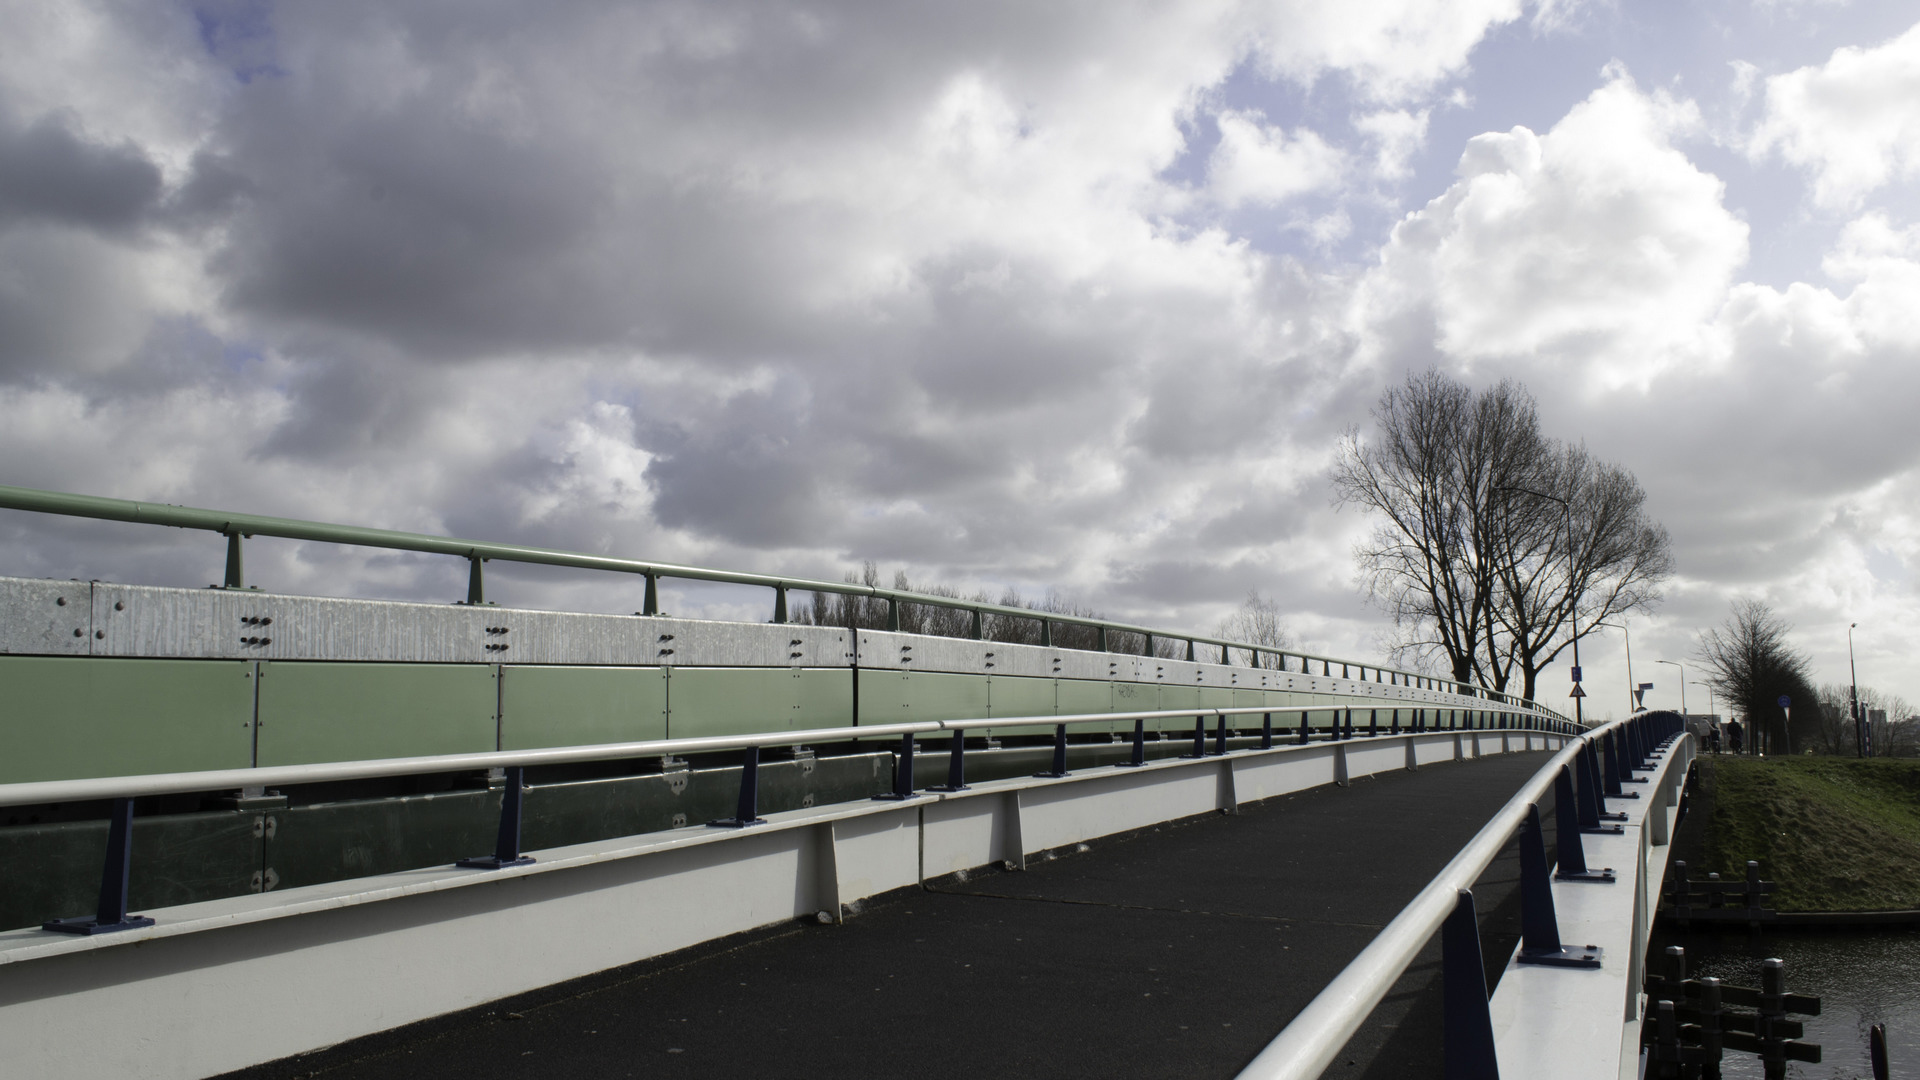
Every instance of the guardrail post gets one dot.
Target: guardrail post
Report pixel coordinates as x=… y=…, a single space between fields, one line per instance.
x=1539 y=926
x=1349 y=730
x=506 y=844
x=956 y=762
x=1059 y=754
x=893 y=614
x=1610 y=769
x=1306 y=731
x=476 y=585
x=1572 y=855
x=236 y=575
x=978 y=630
x=1139 y=744
x=747 y=810
x=1469 y=1024
x=779 y=604
x=1396 y=722
x=1046 y=633
x=1266 y=731
x=111 y=912
x=1199 y=738
x=902 y=772
x=651 y=604
x=1593 y=812
x=1102 y=638
x=1373 y=723
x=1191 y=659
x=1220 y=737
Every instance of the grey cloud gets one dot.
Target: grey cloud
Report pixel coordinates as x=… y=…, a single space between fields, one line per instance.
x=50 y=173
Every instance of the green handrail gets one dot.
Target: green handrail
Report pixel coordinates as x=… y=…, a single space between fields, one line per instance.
x=235 y=527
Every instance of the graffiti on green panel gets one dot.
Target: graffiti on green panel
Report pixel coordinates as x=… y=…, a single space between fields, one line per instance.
x=314 y=711
x=62 y=718
x=1085 y=696
x=578 y=706
x=731 y=701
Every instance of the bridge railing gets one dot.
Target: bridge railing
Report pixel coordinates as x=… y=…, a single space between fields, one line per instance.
x=1600 y=760
x=120 y=791
x=238 y=527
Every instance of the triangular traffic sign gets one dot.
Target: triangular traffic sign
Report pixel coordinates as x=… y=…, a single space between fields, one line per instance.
x=1577 y=692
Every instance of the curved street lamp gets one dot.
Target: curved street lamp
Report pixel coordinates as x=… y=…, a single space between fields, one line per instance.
x=1853 y=672
x=1622 y=627
x=1683 y=683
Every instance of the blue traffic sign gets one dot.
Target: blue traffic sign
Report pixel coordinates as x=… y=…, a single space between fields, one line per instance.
x=1786 y=702
x=1576 y=673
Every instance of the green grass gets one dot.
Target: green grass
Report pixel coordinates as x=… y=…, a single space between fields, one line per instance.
x=1837 y=834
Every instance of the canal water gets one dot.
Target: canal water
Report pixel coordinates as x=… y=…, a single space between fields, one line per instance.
x=1862 y=978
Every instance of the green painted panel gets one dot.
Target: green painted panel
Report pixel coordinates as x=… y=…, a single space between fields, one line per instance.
x=1020 y=695
x=825 y=697
x=67 y=717
x=579 y=706
x=886 y=697
x=938 y=695
x=177 y=859
x=311 y=711
x=731 y=701
x=1216 y=697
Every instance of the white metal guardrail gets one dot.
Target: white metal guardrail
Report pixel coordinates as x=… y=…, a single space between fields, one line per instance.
x=389 y=949
x=112 y=915
x=1603 y=762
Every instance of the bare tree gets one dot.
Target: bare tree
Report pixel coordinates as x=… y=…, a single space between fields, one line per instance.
x=1257 y=622
x=1750 y=664
x=1837 y=731
x=1438 y=474
x=1471 y=556
x=1619 y=558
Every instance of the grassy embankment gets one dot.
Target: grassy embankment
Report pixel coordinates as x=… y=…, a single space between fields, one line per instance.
x=1838 y=834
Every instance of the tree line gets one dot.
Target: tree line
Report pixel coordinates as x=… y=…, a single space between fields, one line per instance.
x=1751 y=664
x=1256 y=622
x=1493 y=541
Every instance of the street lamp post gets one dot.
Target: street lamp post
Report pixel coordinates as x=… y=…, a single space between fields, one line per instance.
x=1859 y=742
x=1683 y=683
x=1708 y=687
x=1622 y=627
x=1573 y=609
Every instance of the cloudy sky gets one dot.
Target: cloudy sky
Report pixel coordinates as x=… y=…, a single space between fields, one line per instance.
x=1074 y=295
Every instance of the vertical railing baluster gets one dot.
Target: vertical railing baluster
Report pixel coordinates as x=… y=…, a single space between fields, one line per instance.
x=747 y=810
x=116 y=875
x=902 y=772
x=506 y=842
x=1468 y=1025
x=956 y=763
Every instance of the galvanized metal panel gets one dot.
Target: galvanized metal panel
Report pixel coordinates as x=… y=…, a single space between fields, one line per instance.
x=342 y=712
x=727 y=701
x=554 y=705
x=46 y=618
x=64 y=718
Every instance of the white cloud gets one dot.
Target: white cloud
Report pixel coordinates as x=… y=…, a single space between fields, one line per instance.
x=1853 y=122
x=1257 y=165
x=1598 y=243
x=1397 y=135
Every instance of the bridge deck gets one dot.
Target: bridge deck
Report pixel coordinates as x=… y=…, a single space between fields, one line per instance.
x=1178 y=951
